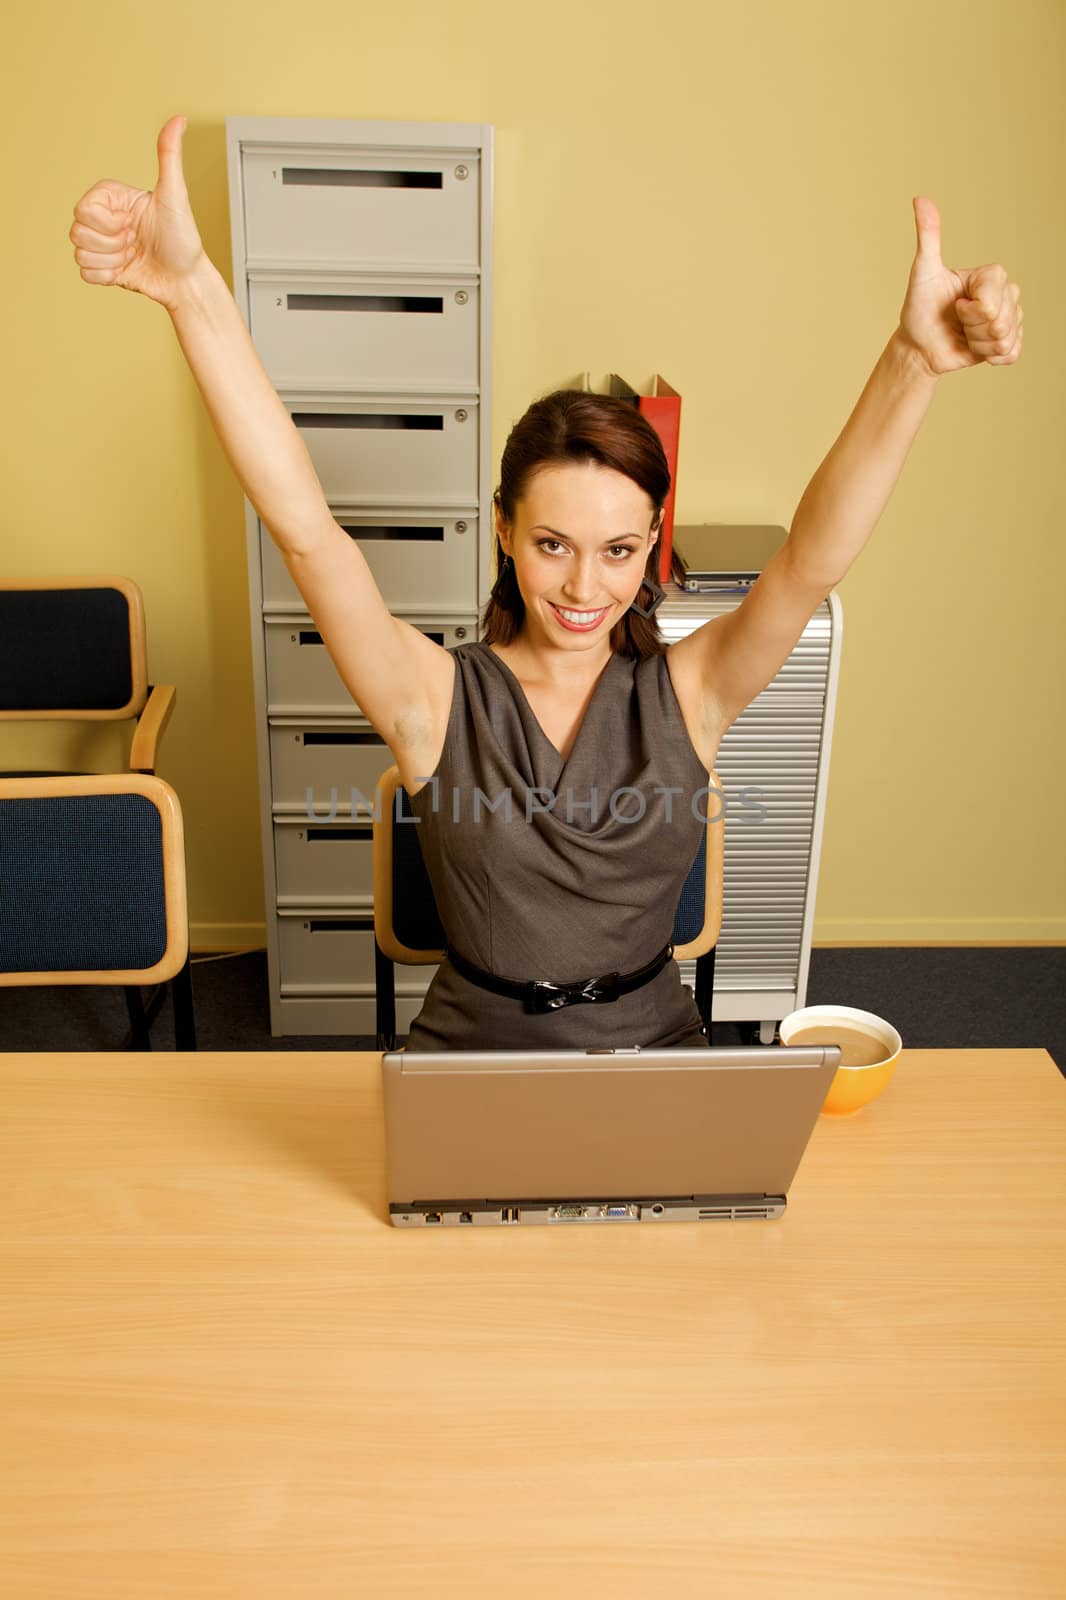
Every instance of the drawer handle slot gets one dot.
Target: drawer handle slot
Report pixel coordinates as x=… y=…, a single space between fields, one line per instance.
x=309 y=636
x=365 y=302
x=359 y=178
x=324 y=835
x=343 y=738
x=370 y=419
x=436 y=534
x=350 y=925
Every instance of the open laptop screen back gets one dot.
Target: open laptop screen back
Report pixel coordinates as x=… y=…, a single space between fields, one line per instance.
x=528 y=1124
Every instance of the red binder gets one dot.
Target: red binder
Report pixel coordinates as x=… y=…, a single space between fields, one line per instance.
x=662 y=407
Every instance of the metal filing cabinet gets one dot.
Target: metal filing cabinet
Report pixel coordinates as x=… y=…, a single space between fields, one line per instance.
x=773 y=766
x=362 y=264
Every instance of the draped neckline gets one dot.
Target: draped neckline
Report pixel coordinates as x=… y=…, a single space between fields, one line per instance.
x=535 y=720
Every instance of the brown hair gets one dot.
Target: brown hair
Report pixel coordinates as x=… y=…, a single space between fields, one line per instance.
x=567 y=426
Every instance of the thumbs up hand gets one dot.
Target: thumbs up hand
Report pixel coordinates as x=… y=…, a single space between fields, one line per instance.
x=953 y=319
x=140 y=239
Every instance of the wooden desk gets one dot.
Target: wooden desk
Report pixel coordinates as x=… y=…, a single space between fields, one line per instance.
x=228 y=1378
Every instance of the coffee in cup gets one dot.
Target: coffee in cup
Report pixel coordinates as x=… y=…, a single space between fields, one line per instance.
x=857 y=1048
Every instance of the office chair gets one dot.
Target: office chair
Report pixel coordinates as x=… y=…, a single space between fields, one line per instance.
x=407 y=926
x=73 y=649
x=92 y=890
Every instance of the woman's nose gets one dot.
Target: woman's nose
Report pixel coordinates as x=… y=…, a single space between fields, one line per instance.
x=582 y=584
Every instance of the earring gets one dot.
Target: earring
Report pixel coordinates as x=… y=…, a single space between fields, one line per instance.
x=658 y=596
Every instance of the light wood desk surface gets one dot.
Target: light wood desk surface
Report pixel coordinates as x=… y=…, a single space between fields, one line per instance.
x=227 y=1376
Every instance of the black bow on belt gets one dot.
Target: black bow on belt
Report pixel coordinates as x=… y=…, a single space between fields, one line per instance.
x=544 y=996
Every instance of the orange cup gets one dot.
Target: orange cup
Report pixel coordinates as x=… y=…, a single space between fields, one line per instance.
x=853 y=1086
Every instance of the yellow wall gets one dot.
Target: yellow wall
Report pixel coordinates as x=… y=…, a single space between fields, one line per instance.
x=720 y=193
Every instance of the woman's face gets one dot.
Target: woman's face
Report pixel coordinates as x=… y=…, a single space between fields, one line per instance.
x=580 y=546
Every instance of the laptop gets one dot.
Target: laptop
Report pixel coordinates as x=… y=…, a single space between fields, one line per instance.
x=599 y=1136
x=724 y=556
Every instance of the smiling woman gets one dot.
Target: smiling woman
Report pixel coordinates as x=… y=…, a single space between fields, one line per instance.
x=563 y=723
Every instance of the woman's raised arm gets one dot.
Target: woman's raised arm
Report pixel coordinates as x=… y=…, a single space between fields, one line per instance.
x=147 y=241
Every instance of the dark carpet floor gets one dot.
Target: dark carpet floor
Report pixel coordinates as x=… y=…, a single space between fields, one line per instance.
x=938 y=998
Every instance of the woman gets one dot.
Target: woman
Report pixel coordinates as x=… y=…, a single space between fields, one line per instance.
x=558 y=766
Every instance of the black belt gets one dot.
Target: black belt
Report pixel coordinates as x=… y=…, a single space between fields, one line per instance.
x=540 y=995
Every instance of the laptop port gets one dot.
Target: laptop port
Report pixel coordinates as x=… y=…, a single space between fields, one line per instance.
x=465 y=1216
x=510 y=1214
x=432 y=1216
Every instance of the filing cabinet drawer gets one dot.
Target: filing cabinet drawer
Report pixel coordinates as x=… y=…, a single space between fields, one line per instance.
x=333 y=953
x=356 y=205
x=392 y=451
x=301 y=679
x=351 y=1016
x=420 y=562
x=332 y=330
x=324 y=863
x=324 y=771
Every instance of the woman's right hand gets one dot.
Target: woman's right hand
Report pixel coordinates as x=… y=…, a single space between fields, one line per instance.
x=141 y=239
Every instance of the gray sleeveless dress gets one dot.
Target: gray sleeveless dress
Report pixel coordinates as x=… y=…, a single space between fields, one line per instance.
x=563 y=870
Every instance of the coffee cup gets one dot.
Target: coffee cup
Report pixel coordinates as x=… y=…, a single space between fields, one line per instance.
x=869 y=1050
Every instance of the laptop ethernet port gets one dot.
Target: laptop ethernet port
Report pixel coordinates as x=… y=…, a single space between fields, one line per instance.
x=433 y=1216
x=465 y=1216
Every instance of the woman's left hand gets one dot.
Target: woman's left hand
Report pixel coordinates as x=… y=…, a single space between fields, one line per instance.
x=957 y=318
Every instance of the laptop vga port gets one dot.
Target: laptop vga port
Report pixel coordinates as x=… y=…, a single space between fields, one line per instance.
x=578 y=1212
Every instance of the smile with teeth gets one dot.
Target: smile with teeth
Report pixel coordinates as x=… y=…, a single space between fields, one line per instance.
x=580 y=618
